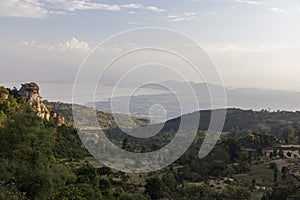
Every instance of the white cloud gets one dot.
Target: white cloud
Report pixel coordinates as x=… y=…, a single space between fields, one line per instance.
x=230 y=48
x=35 y=44
x=133 y=6
x=22 y=8
x=75 y=44
x=277 y=10
x=71 y=5
x=140 y=6
x=58 y=12
x=154 y=9
x=187 y=16
x=234 y=49
x=42 y=8
x=249 y=2
x=172 y=16
x=72 y=44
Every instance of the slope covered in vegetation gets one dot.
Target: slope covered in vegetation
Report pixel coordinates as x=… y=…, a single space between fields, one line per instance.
x=40 y=159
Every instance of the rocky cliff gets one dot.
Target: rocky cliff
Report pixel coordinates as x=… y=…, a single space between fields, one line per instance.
x=30 y=91
x=3 y=93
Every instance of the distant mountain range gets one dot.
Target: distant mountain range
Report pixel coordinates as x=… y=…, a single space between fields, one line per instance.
x=245 y=98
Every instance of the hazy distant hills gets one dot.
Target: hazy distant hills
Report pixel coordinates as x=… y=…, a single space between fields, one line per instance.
x=245 y=98
x=237 y=120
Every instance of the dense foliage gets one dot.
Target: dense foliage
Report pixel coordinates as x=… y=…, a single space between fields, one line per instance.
x=41 y=160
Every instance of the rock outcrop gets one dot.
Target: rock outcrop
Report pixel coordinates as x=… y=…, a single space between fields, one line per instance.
x=59 y=118
x=30 y=91
x=3 y=93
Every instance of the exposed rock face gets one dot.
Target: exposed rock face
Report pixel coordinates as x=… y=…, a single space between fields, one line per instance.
x=59 y=118
x=4 y=94
x=31 y=92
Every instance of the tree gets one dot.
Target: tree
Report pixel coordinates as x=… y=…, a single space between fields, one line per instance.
x=281 y=154
x=130 y=196
x=290 y=137
x=10 y=192
x=234 y=149
x=236 y=131
x=253 y=183
x=87 y=174
x=259 y=151
x=234 y=193
x=154 y=188
x=273 y=165
x=275 y=174
x=105 y=186
x=2 y=118
x=169 y=184
x=26 y=145
x=70 y=192
x=104 y=171
x=68 y=144
x=284 y=171
x=283 y=192
x=125 y=144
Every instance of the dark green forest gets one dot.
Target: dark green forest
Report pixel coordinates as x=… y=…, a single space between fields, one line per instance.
x=40 y=159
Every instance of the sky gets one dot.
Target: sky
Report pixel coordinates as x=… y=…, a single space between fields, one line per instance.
x=254 y=43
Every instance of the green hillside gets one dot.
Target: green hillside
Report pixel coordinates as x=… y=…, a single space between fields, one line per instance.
x=40 y=159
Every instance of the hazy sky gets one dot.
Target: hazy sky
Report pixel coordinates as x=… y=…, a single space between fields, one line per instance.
x=255 y=43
